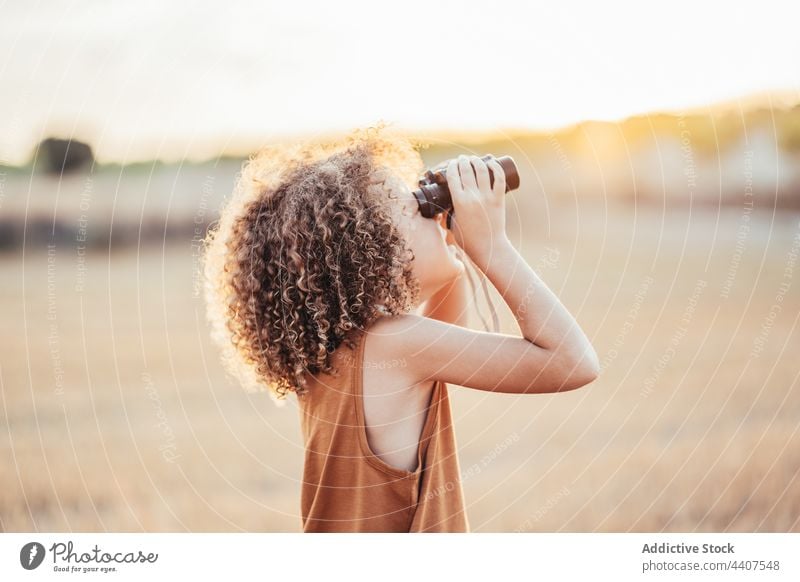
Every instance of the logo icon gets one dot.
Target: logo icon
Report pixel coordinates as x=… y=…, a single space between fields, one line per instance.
x=31 y=555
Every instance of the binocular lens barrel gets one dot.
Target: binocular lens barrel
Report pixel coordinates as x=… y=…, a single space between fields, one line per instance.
x=433 y=194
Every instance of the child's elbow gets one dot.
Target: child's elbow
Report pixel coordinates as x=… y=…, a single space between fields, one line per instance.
x=583 y=370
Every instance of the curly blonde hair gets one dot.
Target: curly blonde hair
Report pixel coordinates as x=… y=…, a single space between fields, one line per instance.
x=305 y=255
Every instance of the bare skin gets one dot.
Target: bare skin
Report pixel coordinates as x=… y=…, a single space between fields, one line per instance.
x=404 y=356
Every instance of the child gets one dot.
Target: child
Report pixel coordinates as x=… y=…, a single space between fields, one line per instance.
x=323 y=279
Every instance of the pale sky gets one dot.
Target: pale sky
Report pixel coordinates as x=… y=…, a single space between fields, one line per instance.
x=177 y=79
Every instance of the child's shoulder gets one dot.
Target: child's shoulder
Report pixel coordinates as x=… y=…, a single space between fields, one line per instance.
x=391 y=332
x=393 y=337
x=395 y=323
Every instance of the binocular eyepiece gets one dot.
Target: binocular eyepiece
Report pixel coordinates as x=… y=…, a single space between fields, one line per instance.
x=433 y=194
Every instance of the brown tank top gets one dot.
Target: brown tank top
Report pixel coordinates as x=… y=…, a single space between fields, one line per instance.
x=347 y=488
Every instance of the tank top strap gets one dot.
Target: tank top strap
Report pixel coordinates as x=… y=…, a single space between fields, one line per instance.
x=346 y=487
x=428 y=427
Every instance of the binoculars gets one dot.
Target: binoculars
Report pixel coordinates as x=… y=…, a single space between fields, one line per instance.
x=433 y=194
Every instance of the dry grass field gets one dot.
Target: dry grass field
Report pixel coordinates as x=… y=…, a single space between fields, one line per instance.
x=117 y=416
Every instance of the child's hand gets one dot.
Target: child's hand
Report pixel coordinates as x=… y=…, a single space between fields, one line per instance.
x=479 y=221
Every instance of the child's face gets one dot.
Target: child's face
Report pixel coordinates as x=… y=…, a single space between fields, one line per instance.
x=435 y=261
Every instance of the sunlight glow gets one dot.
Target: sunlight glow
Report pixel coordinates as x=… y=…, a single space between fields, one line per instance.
x=176 y=79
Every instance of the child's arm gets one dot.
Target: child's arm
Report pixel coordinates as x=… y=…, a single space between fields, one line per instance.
x=553 y=355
